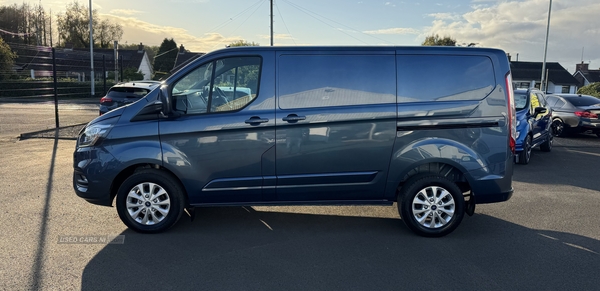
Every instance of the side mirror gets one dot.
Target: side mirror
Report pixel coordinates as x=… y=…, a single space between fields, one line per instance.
x=165 y=99
x=540 y=110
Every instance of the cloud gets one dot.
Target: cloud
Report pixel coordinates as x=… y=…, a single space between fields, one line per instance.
x=136 y=31
x=126 y=12
x=512 y=27
x=398 y=30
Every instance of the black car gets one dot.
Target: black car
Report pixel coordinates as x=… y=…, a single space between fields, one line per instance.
x=574 y=113
x=125 y=93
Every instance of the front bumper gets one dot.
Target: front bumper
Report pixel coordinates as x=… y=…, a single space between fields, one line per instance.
x=92 y=175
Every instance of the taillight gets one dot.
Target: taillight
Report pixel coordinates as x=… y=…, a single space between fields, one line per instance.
x=105 y=99
x=586 y=114
x=512 y=123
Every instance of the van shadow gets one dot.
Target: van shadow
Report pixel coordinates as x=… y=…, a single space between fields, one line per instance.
x=567 y=164
x=242 y=249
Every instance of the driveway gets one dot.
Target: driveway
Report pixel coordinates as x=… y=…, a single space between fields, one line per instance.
x=547 y=237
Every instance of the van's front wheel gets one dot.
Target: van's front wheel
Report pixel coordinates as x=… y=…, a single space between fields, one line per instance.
x=150 y=201
x=431 y=205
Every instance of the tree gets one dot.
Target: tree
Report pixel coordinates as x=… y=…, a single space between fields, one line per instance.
x=25 y=24
x=107 y=32
x=436 y=40
x=7 y=58
x=165 y=58
x=73 y=27
x=592 y=89
x=242 y=42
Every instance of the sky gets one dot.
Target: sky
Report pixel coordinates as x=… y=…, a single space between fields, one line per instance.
x=517 y=27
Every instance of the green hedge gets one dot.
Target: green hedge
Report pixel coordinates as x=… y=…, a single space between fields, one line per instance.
x=45 y=89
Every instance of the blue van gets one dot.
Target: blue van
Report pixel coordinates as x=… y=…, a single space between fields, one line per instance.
x=534 y=123
x=431 y=128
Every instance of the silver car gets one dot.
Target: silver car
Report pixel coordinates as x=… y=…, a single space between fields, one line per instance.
x=574 y=113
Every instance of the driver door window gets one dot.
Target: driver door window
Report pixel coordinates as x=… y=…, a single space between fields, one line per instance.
x=220 y=86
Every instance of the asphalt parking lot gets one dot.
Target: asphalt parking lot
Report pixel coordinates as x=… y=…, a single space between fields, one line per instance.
x=547 y=237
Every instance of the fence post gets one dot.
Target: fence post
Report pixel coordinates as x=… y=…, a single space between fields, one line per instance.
x=104 y=72
x=121 y=65
x=55 y=87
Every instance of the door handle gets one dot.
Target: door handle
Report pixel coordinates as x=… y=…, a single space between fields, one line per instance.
x=255 y=120
x=292 y=118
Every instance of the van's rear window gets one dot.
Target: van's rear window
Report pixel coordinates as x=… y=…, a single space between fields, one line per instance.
x=444 y=78
x=127 y=91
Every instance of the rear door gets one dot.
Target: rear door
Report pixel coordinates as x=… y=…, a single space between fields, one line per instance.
x=335 y=124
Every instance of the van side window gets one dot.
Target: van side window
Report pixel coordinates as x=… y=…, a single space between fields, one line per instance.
x=224 y=85
x=444 y=78
x=310 y=81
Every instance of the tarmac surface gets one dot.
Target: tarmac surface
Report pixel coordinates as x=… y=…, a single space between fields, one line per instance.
x=546 y=237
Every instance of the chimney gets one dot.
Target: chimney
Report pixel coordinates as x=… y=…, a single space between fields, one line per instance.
x=582 y=67
x=140 y=48
x=181 y=50
x=508 y=56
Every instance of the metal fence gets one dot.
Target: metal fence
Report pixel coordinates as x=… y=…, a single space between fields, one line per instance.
x=48 y=89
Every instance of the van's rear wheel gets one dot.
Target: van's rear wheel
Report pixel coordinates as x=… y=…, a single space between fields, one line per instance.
x=431 y=205
x=150 y=201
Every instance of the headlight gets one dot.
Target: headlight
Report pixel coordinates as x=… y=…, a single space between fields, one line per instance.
x=92 y=134
x=518 y=123
x=518 y=134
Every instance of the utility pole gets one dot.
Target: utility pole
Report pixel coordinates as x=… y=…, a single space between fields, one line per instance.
x=271 y=22
x=543 y=81
x=92 y=50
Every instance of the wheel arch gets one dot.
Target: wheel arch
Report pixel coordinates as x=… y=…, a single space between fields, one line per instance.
x=448 y=169
x=130 y=170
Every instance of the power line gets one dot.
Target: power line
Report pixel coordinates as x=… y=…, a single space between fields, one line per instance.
x=285 y=25
x=350 y=28
x=262 y=2
x=226 y=22
x=303 y=10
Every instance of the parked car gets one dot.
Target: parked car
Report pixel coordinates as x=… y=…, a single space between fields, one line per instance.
x=320 y=126
x=125 y=93
x=575 y=113
x=533 y=123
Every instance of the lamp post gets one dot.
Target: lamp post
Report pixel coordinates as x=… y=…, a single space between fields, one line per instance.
x=91 y=50
x=543 y=81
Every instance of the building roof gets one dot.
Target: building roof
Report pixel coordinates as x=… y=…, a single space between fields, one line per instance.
x=184 y=57
x=557 y=74
x=592 y=76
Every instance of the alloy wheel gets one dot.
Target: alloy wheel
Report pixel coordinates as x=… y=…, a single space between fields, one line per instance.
x=433 y=207
x=148 y=203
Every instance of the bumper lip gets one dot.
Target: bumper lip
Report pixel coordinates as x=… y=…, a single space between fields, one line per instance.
x=92 y=192
x=493 y=198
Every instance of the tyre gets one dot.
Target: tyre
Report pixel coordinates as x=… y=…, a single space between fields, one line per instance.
x=150 y=201
x=525 y=154
x=547 y=145
x=431 y=205
x=558 y=128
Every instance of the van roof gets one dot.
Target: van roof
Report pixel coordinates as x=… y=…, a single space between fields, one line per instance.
x=361 y=48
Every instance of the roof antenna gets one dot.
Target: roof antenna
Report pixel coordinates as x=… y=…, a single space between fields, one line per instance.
x=582 y=49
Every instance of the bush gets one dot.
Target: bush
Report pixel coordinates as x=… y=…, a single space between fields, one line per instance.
x=591 y=89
